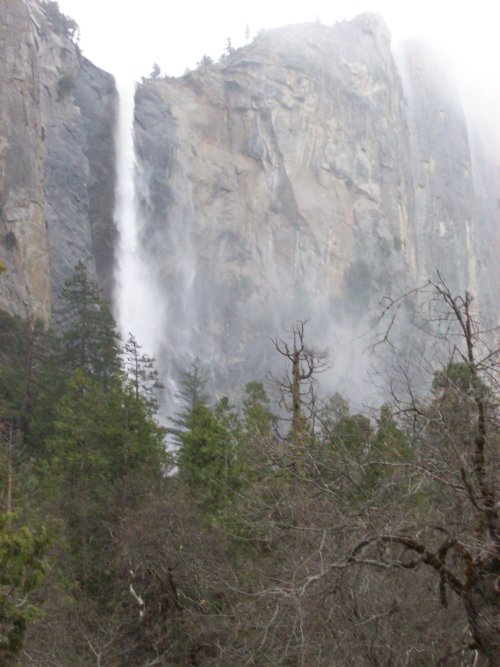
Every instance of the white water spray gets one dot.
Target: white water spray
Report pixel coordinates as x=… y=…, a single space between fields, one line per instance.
x=134 y=291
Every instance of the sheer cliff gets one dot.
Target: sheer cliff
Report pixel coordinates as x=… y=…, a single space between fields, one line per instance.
x=56 y=159
x=304 y=176
x=298 y=178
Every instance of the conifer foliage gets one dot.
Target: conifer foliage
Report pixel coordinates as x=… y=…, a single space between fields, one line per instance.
x=81 y=433
x=316 y=536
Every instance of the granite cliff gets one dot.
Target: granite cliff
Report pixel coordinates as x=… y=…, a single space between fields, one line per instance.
x=305 y=175
x=57 y=113
x=299 y=178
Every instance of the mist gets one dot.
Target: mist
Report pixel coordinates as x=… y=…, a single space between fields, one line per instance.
x=166 y=290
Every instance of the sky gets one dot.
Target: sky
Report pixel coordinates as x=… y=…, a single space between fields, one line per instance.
x=127 y=36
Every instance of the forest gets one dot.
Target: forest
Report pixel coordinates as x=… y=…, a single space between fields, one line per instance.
x=278 y=529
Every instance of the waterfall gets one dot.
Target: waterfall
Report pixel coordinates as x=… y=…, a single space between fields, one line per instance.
x=148 y=300
x=134 y=296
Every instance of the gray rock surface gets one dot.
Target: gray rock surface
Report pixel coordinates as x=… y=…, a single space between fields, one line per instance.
x=304 y=176
x=25 y=286
x=57 y=159
x=297 y=179
x=443 y=189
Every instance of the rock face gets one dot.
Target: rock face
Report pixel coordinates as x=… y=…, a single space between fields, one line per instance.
x=303 y=177
x=297 y=180
x=25 y=288
x=57 y=116
x=443 y=189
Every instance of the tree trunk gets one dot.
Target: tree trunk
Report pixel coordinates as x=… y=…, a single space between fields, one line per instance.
x=482 y=605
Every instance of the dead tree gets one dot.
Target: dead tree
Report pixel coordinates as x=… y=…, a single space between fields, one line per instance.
x=296 y=386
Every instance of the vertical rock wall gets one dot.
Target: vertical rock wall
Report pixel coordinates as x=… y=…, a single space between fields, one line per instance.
x=297 y=179
x=57 y=116
x=25 y=287
x=441 y=165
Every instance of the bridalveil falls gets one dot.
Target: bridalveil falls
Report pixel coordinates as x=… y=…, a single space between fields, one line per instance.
x=298 y=178
x=304 y=176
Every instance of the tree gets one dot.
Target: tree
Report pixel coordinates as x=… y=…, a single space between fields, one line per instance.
x=456 y=435
x=155 y=72
x=90 y=340
x=206 y=456
x=205 y=61
x=23 y=349
x=259 y=419
x=59 y=22
x=296 y=386
x=388 y=448
x=192 y=391
x=22 y=569
x=140 y=369
x=105 y=456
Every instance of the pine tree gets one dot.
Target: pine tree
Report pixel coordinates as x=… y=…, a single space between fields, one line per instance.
x=389 y=445
x=105 y=452
x=90 y=340
x=207 y=441
x=22 y=569
x=105 y=456
x=206 y=456
x=259 y=419
x=142 y=374
x=192 y=391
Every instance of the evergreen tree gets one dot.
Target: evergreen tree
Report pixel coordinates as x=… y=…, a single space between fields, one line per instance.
x=105 y=452
x=142 y=374
x=202 y=458
x=389 y=445
x=259 y=419
x=90 y=340
x=352 y=435
x=192 y=391
x=105 y=456
x=22 y=569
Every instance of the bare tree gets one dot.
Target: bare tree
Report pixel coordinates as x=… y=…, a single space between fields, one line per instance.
x=297 y=386
x=455 y=436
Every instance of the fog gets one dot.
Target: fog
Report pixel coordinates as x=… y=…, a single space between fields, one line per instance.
x=128 y=38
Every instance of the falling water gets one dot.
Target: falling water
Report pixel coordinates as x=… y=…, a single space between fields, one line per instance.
x=134 y=292
x=150 y=303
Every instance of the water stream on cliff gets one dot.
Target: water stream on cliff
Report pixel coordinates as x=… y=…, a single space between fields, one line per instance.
x=135 y=293
x=153 y=300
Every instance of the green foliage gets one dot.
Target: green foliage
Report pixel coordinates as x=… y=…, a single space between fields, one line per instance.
x=206 y=456
x=58 y=21
x=455 y=377
x=192 y=390
x=23 y=346
x=12 y=342
x=106 y=454
x=259 y=419
x=388 y=447
x=246 y=552
x=90 y=340
x=352 y=434
x=141 y=372
x=22 y=570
